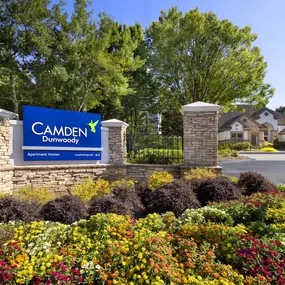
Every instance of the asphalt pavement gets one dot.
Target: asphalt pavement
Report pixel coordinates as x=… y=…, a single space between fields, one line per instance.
x=271 y=166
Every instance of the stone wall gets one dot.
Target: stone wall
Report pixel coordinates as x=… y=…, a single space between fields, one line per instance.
x=6 y=179
x=59 y=178
x=4 y=142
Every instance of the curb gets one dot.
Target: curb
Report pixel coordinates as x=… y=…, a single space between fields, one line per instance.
x=261 y=152
x=237 y=160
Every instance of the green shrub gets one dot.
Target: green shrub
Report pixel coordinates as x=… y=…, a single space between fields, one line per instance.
x=223 y=146
x=267 y=144
x=123 y=184
x=281 y=188
x=157 y=179
x=228 y=152
x=6 y=233
x=240 y=146
x=157 y=156
x=235 y=146
x=29 y=193
x=206 y=214
x=199 y=173
x=91 y=188
x=232 y=178
x=279 y=145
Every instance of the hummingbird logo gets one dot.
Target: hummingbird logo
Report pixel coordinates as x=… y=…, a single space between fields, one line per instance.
x=93 y=126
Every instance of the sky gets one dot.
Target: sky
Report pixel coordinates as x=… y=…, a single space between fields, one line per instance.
x=266 y=18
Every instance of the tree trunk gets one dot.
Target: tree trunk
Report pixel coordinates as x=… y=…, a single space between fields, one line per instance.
x=13 y=92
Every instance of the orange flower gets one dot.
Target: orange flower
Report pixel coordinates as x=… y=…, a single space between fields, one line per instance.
x=216 y=275
x=104 y=277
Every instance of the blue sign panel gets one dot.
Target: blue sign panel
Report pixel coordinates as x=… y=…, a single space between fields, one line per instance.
x=51 y=134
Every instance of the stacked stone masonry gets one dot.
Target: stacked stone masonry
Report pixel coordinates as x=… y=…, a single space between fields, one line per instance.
x=200 y=138
x=61 y=178
x=4 y=142
x=117 y=145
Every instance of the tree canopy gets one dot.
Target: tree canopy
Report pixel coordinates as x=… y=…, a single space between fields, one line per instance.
x=280 y=109
x=52 y=59
x=198 y=57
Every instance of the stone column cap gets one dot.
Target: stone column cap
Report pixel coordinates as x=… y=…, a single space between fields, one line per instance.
x=114 y=123
x=200 y=107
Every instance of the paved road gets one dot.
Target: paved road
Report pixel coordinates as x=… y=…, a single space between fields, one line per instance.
x=271 y=166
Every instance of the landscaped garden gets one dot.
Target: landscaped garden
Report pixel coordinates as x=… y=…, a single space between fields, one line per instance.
x=231 y=150
x=202 y=229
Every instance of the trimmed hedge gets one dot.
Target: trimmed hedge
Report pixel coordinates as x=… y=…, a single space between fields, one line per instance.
x=14 y=209
x=175 y=197
x=252 y=182
x=217 y=190
x=67 y=210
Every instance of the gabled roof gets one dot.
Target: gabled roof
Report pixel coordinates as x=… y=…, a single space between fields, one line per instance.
x=226 y=119
x=237 y=118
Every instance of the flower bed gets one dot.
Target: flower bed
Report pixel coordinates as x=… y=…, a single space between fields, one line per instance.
x=231 y=242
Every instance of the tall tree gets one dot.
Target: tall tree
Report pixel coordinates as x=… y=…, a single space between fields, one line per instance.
x=24 y=32
x=89 y=61
x=280 y=109
x=197 y=57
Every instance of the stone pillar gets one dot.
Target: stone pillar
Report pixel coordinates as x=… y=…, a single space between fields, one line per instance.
x=200 y=134
x=117 y=141
x=6 y=170
x=5 y=159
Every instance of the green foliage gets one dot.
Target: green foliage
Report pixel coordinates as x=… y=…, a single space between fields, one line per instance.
x=206 y=214
x=6 y=232
x=228 y=152
x=281 y=188
x=38 y=194
x=232 y=178
x=280 y=109
x=53 y=59
x=235 y=146
x=198 y=57
x=267 y=144
x=91 y=189
x=157 y=179
x=199 y=173
x=279 y=145
x=157 y=156
x=123 y=184
x=25 y=34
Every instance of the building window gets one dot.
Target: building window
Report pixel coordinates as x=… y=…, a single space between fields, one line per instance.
x=266 y=114
x=236 y=136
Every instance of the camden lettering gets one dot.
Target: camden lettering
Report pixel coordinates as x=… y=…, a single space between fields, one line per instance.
x=72 y=134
